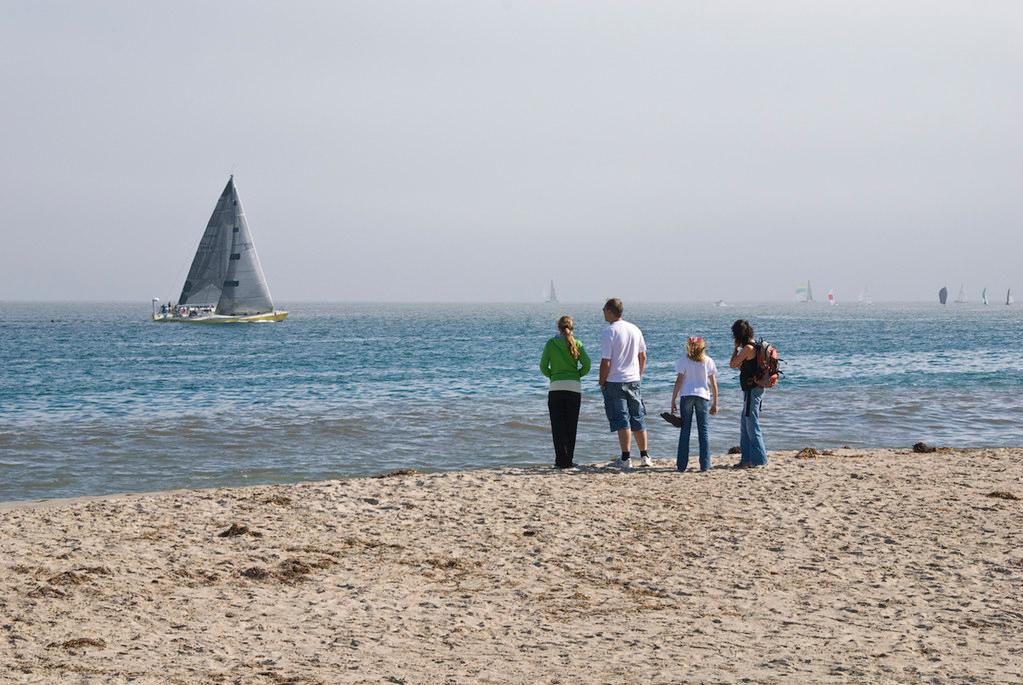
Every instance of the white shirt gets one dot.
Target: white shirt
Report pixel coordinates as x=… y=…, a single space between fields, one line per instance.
x=696 y=379
x=621 y=343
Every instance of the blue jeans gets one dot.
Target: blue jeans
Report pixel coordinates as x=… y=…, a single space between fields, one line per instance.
x=751 y=440
x=689 y=405
x=624 y=407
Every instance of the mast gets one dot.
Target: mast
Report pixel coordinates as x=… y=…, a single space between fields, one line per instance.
x=809 y=292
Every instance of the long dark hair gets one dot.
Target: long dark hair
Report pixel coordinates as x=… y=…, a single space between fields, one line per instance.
x=742 y=332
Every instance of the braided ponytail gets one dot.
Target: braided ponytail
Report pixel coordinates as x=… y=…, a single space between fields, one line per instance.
x=565 y=325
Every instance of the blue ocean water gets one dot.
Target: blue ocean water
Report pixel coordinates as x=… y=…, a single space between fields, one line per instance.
x=97 y=399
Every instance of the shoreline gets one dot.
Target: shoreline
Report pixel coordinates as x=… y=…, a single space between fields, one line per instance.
x=661 y=464
x=873 y=565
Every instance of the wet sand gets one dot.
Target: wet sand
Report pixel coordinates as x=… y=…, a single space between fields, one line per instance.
x=859 y=566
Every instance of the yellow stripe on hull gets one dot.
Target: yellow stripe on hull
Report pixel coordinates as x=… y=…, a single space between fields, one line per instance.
x=269 y=317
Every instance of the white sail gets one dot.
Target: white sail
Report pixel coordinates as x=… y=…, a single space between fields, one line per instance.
x=551 y=295
x=961 y=297
x=983 y=296
x=809 y=292
x=1009 y=299
x=245 y=290
x=867 y=299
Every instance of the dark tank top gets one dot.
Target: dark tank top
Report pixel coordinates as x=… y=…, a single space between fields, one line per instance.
x=747 y=370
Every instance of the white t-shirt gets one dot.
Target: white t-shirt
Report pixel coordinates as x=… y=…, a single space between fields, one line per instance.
x=621 y=343
x=697 y=376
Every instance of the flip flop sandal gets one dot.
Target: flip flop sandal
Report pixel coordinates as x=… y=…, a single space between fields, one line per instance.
x=676 y=421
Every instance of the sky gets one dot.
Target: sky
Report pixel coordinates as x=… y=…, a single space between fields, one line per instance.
x=471 y=151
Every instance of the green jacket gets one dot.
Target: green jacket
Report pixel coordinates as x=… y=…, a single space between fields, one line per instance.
x=557 y=364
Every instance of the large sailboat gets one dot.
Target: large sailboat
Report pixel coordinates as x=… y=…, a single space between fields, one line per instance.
x=804 y=293
x=943 y=295
x=983 y=296
x=225 y=283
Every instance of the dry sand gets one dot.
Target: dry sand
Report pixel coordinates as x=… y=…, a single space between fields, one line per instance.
x=862 y=566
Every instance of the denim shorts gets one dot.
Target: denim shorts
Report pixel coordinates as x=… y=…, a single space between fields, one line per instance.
x=624 y=407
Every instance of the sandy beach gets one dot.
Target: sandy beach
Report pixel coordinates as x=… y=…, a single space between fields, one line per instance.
x=858 y=566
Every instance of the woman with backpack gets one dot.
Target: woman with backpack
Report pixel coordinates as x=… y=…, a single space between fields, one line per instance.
x=744 y=358
x=697 y=381
x=564 y=361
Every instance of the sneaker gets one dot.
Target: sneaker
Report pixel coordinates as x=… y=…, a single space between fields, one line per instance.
x=623 y=464
x=647 y=462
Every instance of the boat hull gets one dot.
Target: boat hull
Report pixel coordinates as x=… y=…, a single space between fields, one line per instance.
x=269 y=317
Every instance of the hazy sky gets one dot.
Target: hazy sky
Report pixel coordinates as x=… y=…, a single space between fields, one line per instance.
x=472 y=150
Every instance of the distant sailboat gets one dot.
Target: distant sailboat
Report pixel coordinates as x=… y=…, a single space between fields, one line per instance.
x=983 y=296
x=550 y=295
x=831 y=297
x=225 y=283
x=961 y=297
x=865 y=296
x=804 y=293
x=1009 y=299
x=943 y=295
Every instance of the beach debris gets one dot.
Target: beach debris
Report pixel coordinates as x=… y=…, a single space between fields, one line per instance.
x=256 y=573
x=235 y=530
x=924 y=448
x=293 y=569
x=196 y=577
x=528 y=532
x=282 y=679
x=808 y=453
x=397 y=472
x=78 y=576
x=277 y=499
x=67 y=578
x=454 y=563
x=1002 y=494
x=371 y=500
x=288 y=571
x=79 y=642
x=735 y=450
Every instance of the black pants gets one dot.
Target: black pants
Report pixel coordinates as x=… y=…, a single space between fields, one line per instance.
x=564 y=408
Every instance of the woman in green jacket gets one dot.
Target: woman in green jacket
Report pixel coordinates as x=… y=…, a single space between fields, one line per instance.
x=564 y=362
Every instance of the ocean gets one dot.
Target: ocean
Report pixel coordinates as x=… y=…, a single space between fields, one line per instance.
x=97 y=399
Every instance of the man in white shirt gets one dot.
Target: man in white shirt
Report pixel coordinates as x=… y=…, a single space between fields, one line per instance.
x=622 y=360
